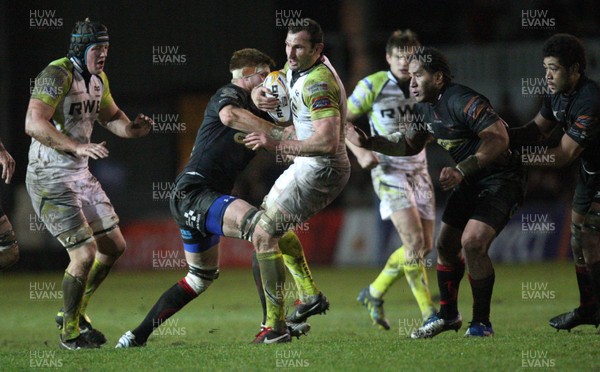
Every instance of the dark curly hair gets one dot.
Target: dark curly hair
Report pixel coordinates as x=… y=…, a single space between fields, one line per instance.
x=433 y=61
x=567 y=48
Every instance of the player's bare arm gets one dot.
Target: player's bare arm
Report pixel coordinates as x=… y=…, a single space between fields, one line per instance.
x=493 y=146
x=395 y=144
x=245 y=121
x=324 y=140
x=366 y=159
x=8 y=164
x=116 y=121
x=535 y=131
x=38 y=126
x=565 y=153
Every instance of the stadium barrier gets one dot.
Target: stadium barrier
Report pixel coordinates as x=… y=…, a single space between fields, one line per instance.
x=352 y=237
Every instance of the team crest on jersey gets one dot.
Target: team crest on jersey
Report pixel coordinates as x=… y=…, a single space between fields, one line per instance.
x=229 y=93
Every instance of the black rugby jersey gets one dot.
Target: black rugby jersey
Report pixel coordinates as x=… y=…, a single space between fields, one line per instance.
x=579 y=115
x=219 y=154
x=455 y=120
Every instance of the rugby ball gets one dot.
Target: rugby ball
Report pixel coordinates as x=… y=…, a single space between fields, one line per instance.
x=276 y=83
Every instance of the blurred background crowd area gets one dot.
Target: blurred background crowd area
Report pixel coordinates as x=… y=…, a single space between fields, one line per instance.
x=167 y=58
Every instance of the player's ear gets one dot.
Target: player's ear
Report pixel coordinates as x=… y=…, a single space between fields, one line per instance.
x=574 y=68
x=438 y=77
x=319 y=48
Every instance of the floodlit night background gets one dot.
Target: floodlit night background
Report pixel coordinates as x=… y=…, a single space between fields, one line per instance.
x=167 y=58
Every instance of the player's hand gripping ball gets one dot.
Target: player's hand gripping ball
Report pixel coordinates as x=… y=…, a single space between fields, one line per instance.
x=276 y=83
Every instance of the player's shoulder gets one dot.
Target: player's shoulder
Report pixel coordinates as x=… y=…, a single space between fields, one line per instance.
x=104 y=78
x=379 y=76
x=376 y=80
x=321 y=78
x=230 y=93
x=589 y=91
x=462 y=95
x=62 y=67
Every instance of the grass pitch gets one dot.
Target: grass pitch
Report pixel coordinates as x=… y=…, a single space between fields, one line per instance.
x=214 y=331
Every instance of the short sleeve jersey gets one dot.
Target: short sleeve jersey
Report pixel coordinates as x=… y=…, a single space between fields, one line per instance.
x=579 y=116
x=317 y=93
x=380 y=97
x=456 y=120
x=219 y=154
x=76 y=102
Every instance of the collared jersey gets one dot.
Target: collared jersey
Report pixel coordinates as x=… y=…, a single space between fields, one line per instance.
x=380 y=97
x=579 y=116
x=219 y=154
x=317 y=93
x=76 y=104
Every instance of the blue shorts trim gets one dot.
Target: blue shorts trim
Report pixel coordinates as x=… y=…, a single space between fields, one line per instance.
x=214 y=216
x=196 y=243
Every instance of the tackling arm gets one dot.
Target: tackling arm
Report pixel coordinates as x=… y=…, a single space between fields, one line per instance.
x=324 y=140
x=395 y=144
x=245 y=121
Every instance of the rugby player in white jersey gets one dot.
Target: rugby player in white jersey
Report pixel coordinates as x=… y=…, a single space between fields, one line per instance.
x=321 y=167
x=69 y=96
x=402 y=183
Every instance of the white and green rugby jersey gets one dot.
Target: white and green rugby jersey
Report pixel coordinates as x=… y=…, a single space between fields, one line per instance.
x=77 y=105
x=380 y=97
x=318 y=93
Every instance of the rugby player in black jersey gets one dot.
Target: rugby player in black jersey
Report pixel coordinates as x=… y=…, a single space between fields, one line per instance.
x=486 y=188
x=204 y=209
x=574 y=105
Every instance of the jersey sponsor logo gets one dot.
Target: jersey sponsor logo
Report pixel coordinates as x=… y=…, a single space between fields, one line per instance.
x=406 y=111
x=87 y=106
x=321 y=103
x=449 y=144
x=318 y=87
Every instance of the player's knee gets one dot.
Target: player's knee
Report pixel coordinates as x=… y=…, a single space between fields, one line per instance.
x=200 y=278
x=272 y=222
x=119 y=245
x=474 y=244
x=591 y=226
x=576 y=244
x=9 y=252
x=415 y=242
x=447 y=253
x=248 y=223
x=76 y=238
x=9 y=248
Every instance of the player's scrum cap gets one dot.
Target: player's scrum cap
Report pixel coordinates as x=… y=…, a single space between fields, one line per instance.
x=85 y=35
